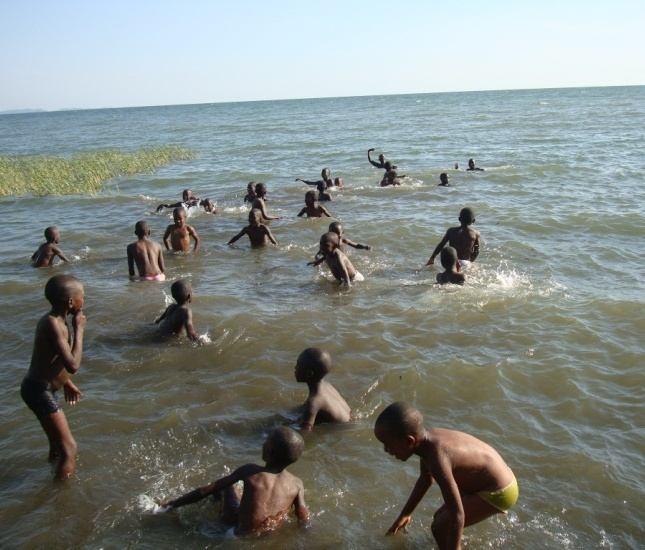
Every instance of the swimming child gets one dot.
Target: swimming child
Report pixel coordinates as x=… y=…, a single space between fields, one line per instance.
x=257 y=232
x=472 y=167
x=450 y=263
x=382 y=163
x=250 y=192
x=179 y=316
x=312 y=208
x=259 y=202
x=146 y=254
x=464 y=239
x=326 y=180
x=391 y=178
x=324 y=403
x=443 y=180
x=178 y=234
x=208 y=205
x=475 y=481
x=47 y=252
x=269 y=491
x=55 y=357
x=188 y=200
x=336 y=227
x=339 y=264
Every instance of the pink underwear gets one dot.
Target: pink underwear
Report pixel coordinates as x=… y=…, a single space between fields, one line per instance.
x=158 y=277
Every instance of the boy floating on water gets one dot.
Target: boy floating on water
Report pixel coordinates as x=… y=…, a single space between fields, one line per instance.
x=450 y=263
x=179 y=316
x=188 y=200
x=474 y=480
x=260 y=202
x=338 y=263
x=258 y=233
x=146 y=254
x=179 y=233
x=47 y=252
x=464 y=239
x=312 y=208
x=324 y=403
x=56 y=356
x=269 y=491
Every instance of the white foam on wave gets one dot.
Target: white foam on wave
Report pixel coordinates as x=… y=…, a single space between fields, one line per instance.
x=204 y=339
x=147 y=504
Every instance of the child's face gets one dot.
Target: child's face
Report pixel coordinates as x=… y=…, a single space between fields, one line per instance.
x=77 y=301
x=180 y=219
x=326 y=247
x=399 y=447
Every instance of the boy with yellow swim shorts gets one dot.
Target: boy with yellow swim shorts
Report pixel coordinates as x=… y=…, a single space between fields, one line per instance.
x=475 y=481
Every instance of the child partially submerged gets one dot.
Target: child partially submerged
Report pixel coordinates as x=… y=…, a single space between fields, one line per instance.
x=450 y=263
x=336 y=227
x=313 y=208
x=47 y=252
x=258 y=233
x=269 y=491
x=324 y=403
x=178 y=317
x=146 y=254
x=338 y=263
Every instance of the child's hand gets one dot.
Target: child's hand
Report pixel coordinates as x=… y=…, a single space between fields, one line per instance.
x=72 y=393
x=79 y=319
x=400 y=524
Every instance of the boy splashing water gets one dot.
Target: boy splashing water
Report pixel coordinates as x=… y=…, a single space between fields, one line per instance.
x=47 y=252
x=55 y=357
x=269 y=491
x=475 y=481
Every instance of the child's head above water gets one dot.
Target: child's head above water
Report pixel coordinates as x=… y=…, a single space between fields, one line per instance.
x=141 y=229
x=313 y=365
x=448 y=258
x=329 y=242
x=179 y=216
x=336 y=227
x=181 y=291
x=282 y=447
x=187 y=194
x=325 y=173
x=399 y=427
x=387 y=165
x=52 y=235
x=443 y=178
x=251 y=187
x=466 y=216
x=65 y=292
x=311 y=197
x=260 y=189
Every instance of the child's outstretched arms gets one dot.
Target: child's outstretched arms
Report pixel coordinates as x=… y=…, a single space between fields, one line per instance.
x=420 y=489
x=358 y=246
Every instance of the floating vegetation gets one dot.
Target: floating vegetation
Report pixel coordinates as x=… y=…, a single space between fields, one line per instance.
x=81 y=173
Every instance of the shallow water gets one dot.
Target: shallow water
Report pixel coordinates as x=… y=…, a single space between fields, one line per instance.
x=540 y=354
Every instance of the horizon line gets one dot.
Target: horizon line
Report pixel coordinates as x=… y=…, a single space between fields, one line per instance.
x=40 y=110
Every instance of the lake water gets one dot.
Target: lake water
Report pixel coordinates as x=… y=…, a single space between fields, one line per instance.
x=540 y=354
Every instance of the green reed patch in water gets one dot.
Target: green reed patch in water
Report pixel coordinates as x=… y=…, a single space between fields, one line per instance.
x=81 y=173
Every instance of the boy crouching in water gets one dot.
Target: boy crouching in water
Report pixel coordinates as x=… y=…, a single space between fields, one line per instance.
x=269 y=491
x=179 y=316
x=475 y=481
x=55 y=357
x=324 y=403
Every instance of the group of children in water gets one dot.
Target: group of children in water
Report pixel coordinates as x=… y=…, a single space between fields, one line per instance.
x=474 y=480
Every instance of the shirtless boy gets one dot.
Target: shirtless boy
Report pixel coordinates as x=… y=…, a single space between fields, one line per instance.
x=464 y=239
x=339 y=264
x=472 y=167
x=450 y=263
x=258 y=233
x=474 y=480
x=178 y=234
x=382 y=163
x=146 y=254
x=326 y=180
x=312 y=208
x=391 y=177
x=56 y=356
x=47 y=252
x=269 y=491
x=188 y=199
x=336 y=227
x=260 y=202
x=324 y=403
x=179 y=316
x=250 y=192
x=443 y=180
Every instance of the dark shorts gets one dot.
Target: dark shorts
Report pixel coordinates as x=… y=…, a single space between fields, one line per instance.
x=39 y=397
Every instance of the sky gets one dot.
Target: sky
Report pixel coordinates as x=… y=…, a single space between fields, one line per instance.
x=90 y=54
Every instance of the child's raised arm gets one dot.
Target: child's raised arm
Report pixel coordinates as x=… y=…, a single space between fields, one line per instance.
x=419 y=490
x=238 y=236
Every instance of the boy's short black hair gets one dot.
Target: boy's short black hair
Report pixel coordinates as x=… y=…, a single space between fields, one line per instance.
x=335 y=227
x=400 y=419
x=49 y=233
x=260 y=188
x=467 y=216
x=387 y=165
x=448 y=257
x=330 y=237
x=181 y=291
x=286 y=446
x=61 y=288
x=311 y=193
x=317 y=361
x=141 y=228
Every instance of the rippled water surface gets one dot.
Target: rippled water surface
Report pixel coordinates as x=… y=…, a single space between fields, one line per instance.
x=540 y=354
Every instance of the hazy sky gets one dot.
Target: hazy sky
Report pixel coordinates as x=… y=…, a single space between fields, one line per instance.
x=61 y=53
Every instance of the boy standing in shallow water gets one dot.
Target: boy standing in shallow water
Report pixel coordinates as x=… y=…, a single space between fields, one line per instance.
x=336 y=227
x=178 y=317
x=324 y=403
x=338 y=263
x=475 y=481
x=257 y=232
x=464 y=239
x=44 y=256
x=269 y=491
x=312 y=208
x=180 y=233
x=451 y=265
x=146 y=254
x=56 y=356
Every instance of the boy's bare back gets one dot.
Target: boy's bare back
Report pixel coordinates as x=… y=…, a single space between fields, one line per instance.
x=326 y=405
x=45 y=255
x=338 y=263
x=148 y=257
x=463 y=240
